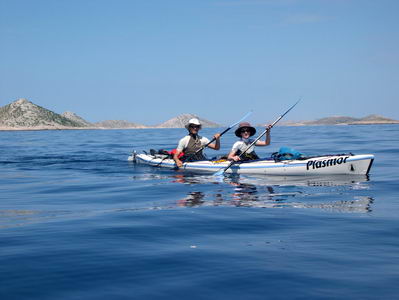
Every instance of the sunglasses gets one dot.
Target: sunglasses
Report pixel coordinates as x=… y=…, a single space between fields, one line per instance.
x=195 y=126
x=245 y=130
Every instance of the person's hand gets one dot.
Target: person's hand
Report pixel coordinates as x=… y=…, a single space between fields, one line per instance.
x=179 y=163
x=268 y=127
x=217 y=136
x=236 y=158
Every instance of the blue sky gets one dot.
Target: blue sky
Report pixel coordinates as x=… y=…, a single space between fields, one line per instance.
x=148 y=61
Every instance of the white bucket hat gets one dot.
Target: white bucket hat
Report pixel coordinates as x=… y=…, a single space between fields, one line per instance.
x=193 y=121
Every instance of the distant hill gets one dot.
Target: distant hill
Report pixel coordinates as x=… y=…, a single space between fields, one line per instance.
x=23 y=113
x=74 y=117
x=375 y=119
x=344 y=120
x=182 y=120
x=334 y=120
x=118 y=124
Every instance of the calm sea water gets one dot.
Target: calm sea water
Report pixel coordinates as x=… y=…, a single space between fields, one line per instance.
x=77 y=221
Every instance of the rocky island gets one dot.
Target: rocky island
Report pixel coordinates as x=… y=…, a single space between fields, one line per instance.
x=117 y=124
x=344 y=120
x=25 y=115
x=182 y=120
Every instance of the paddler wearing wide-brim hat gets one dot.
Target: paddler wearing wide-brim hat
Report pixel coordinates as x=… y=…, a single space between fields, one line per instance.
x=244 y=132
x=191 y=145
x=245 y=126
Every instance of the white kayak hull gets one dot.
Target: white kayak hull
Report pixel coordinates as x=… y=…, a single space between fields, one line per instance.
x=320 y=165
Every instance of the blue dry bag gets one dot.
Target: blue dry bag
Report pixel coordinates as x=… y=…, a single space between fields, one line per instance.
x=286 y=153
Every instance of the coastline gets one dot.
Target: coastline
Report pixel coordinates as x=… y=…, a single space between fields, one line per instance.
x=343 y=124
x=42 y=128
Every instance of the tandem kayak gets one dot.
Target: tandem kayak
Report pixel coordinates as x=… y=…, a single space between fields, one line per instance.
x=339 y=164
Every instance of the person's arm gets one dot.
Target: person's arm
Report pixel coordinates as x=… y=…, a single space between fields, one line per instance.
x=178 y=162
x=267 y=140
x=216 y=145
x=182 y=145
x=233 y=153
x=232 y=156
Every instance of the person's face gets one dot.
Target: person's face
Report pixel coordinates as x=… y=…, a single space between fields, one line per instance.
x=194 y=128
x=245 y=133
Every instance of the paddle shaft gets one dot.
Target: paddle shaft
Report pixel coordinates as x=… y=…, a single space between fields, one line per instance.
x=259 y=137
x=212 y=140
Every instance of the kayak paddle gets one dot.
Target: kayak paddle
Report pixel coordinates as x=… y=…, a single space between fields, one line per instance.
x=221 y=172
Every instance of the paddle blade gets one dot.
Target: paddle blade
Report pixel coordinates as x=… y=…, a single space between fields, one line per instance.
x=219 y=173
x=242 y=119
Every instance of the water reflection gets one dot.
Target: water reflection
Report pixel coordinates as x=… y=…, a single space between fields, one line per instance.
x=314 y=181
x=15 y=217
x=280 y=192
x=360 y=204
x=192 y=199
x=244 y=192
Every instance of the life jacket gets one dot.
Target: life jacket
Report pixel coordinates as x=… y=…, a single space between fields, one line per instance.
x=194 y=144
x=247 y=156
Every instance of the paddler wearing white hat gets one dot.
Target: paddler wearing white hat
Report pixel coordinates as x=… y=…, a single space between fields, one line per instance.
x=191 y=145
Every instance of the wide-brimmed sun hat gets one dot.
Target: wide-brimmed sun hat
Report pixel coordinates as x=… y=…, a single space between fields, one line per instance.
x=193 y=121
x=246 y=125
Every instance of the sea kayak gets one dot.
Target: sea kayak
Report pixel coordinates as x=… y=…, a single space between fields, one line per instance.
x=338 y=164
